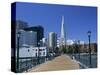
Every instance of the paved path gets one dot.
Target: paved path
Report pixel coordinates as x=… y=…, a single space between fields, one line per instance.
x=62 y=62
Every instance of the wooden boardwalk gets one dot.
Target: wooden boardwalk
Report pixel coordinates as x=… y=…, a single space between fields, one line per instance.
x=62 y=62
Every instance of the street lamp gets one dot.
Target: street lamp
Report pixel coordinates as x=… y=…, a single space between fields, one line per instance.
x=79 y=48
x=18 y=38
x=89 y=36
x=38 y=52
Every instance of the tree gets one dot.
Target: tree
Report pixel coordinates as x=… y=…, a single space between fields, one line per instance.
x=64 y=50
x=70 y=49
x=76 y=47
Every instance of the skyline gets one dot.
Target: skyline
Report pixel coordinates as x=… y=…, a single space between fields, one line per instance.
x=78 y=19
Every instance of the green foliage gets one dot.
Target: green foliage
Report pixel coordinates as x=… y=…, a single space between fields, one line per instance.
x=70 y=49
x=64 y=50
x=76 y=48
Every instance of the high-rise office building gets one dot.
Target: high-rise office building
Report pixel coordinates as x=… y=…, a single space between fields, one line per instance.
x=16 y=25
x=39 y=30
x=27 y=38
x=52 y=40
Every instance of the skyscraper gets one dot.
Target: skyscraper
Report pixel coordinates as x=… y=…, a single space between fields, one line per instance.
x=52 y=40
x=62 y=36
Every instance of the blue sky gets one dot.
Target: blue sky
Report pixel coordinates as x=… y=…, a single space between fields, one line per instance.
x=78 y=19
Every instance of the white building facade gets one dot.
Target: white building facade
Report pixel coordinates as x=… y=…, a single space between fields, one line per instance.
x=27 y=51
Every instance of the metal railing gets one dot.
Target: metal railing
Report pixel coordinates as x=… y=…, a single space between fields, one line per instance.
x=27 y=63
x=83 y=60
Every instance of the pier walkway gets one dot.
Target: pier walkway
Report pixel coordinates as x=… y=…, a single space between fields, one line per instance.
x=62 y=62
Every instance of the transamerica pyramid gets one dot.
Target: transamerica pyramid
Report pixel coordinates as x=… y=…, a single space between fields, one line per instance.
x=62 y=36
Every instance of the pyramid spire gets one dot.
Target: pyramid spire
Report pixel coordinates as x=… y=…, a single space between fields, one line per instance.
x=62 y=27
x=62 y=37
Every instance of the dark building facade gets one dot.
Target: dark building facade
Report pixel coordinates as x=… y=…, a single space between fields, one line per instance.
x=16 y=25
x=39 y=30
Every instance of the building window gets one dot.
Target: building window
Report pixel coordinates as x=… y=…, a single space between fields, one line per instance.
x=40 y=49
x=40 y=53
x=28 y=50
x=43 y=53
x=36 y=54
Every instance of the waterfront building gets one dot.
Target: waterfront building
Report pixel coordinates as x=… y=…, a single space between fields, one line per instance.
x=29 y=51
x=27 y=38
x=39 y=30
